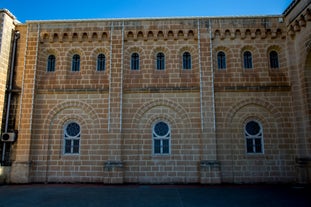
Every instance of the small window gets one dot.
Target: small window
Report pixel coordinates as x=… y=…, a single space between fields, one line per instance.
x=51 y=63
x=221 y=60
x=186 y=60
x=254 y=137
x=135 y=61
x=248 y=62
x=160 y=61
x=161 y=135
x=75 y=63
x=101 y=62
x=274 y=59
x=72 y=133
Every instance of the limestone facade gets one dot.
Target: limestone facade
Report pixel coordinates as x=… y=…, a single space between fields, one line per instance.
x=177 y=100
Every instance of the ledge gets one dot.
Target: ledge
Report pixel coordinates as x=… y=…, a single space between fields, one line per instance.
x=109 y=165
x=209 y=163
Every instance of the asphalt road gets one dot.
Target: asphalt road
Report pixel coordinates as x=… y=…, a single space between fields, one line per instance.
x=90 y=195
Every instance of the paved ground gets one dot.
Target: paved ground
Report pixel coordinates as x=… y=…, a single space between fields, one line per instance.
x=89 y=195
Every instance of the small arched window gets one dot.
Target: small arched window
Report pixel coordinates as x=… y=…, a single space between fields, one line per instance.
x=186 y=60
x=248 y=60
x=160 y=61
x=161 y=135
x=221 y=60
x=274 y=59
x=51 y=63
x=101 y=62
x=135 y=61
x=75 y=66
x=254 y=137
x=72 y=135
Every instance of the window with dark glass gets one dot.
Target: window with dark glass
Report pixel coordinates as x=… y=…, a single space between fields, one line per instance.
x=135 y=61
x=160 y=61
x=161 y=135
x=274 y=59
x=221 y=60
x=186 y=60
x=75 y=66
x=101 y=62
x=254 y=137
x=248 y=62
x=51 y=63
x=72 y=133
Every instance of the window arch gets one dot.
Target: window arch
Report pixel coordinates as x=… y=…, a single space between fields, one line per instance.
x=101 y=62
x=186 y=60
x=72 y=135
x=135 y=61
x=75 y=66
x=274 y=59
x=51 y=63
x=221 y=60
x=161 y=136
x=160 y=61
x=248 y=60
x=254 y=137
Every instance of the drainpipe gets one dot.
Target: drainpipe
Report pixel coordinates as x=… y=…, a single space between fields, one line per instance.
x=122 y=68
x=110 y=71
x=201 y=78
x=16 y=37
x=212 y=73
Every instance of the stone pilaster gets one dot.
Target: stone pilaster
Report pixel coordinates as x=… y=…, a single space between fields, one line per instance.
x=209 y=173
x=115 y=107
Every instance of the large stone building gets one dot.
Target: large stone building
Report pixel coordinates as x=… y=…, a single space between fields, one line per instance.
x=159 y=100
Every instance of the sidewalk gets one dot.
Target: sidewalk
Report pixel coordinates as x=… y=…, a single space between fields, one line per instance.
x=90 y=195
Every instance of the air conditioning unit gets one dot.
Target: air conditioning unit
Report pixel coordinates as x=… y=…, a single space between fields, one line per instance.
x=8 y=137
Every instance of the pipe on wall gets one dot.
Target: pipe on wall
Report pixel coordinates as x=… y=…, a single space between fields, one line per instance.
x=10 y=85
x=9 y=90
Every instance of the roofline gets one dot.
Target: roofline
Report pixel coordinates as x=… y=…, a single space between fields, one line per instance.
x=6 y=11
x=290 y=7
x=149 y=18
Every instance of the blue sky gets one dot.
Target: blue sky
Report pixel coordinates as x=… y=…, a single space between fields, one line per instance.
x=90 y=9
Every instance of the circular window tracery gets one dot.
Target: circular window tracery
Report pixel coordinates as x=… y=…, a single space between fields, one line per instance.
x=72 y=129
x=161 y=129
x=253 y=128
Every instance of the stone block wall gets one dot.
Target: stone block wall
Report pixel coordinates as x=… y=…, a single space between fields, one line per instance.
x=206 y=108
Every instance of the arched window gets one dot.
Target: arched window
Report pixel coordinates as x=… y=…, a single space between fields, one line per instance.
x=101 y=62
x=161 y=135
x=221 y=60
x=254 y=137
x=135 y=61
x=75 y=66
x=51 y=63
x=274 y=59
x=160 y=61
x=186 y=60
x=72 y=134
x=248 y=62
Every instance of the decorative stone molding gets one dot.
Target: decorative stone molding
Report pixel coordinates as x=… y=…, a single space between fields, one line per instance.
x=260 y=33
x=299 y=22
x=51 y=37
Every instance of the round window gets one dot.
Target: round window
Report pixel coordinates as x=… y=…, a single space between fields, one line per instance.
x=73 y=129
x=253 y=128
x=161 y=129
